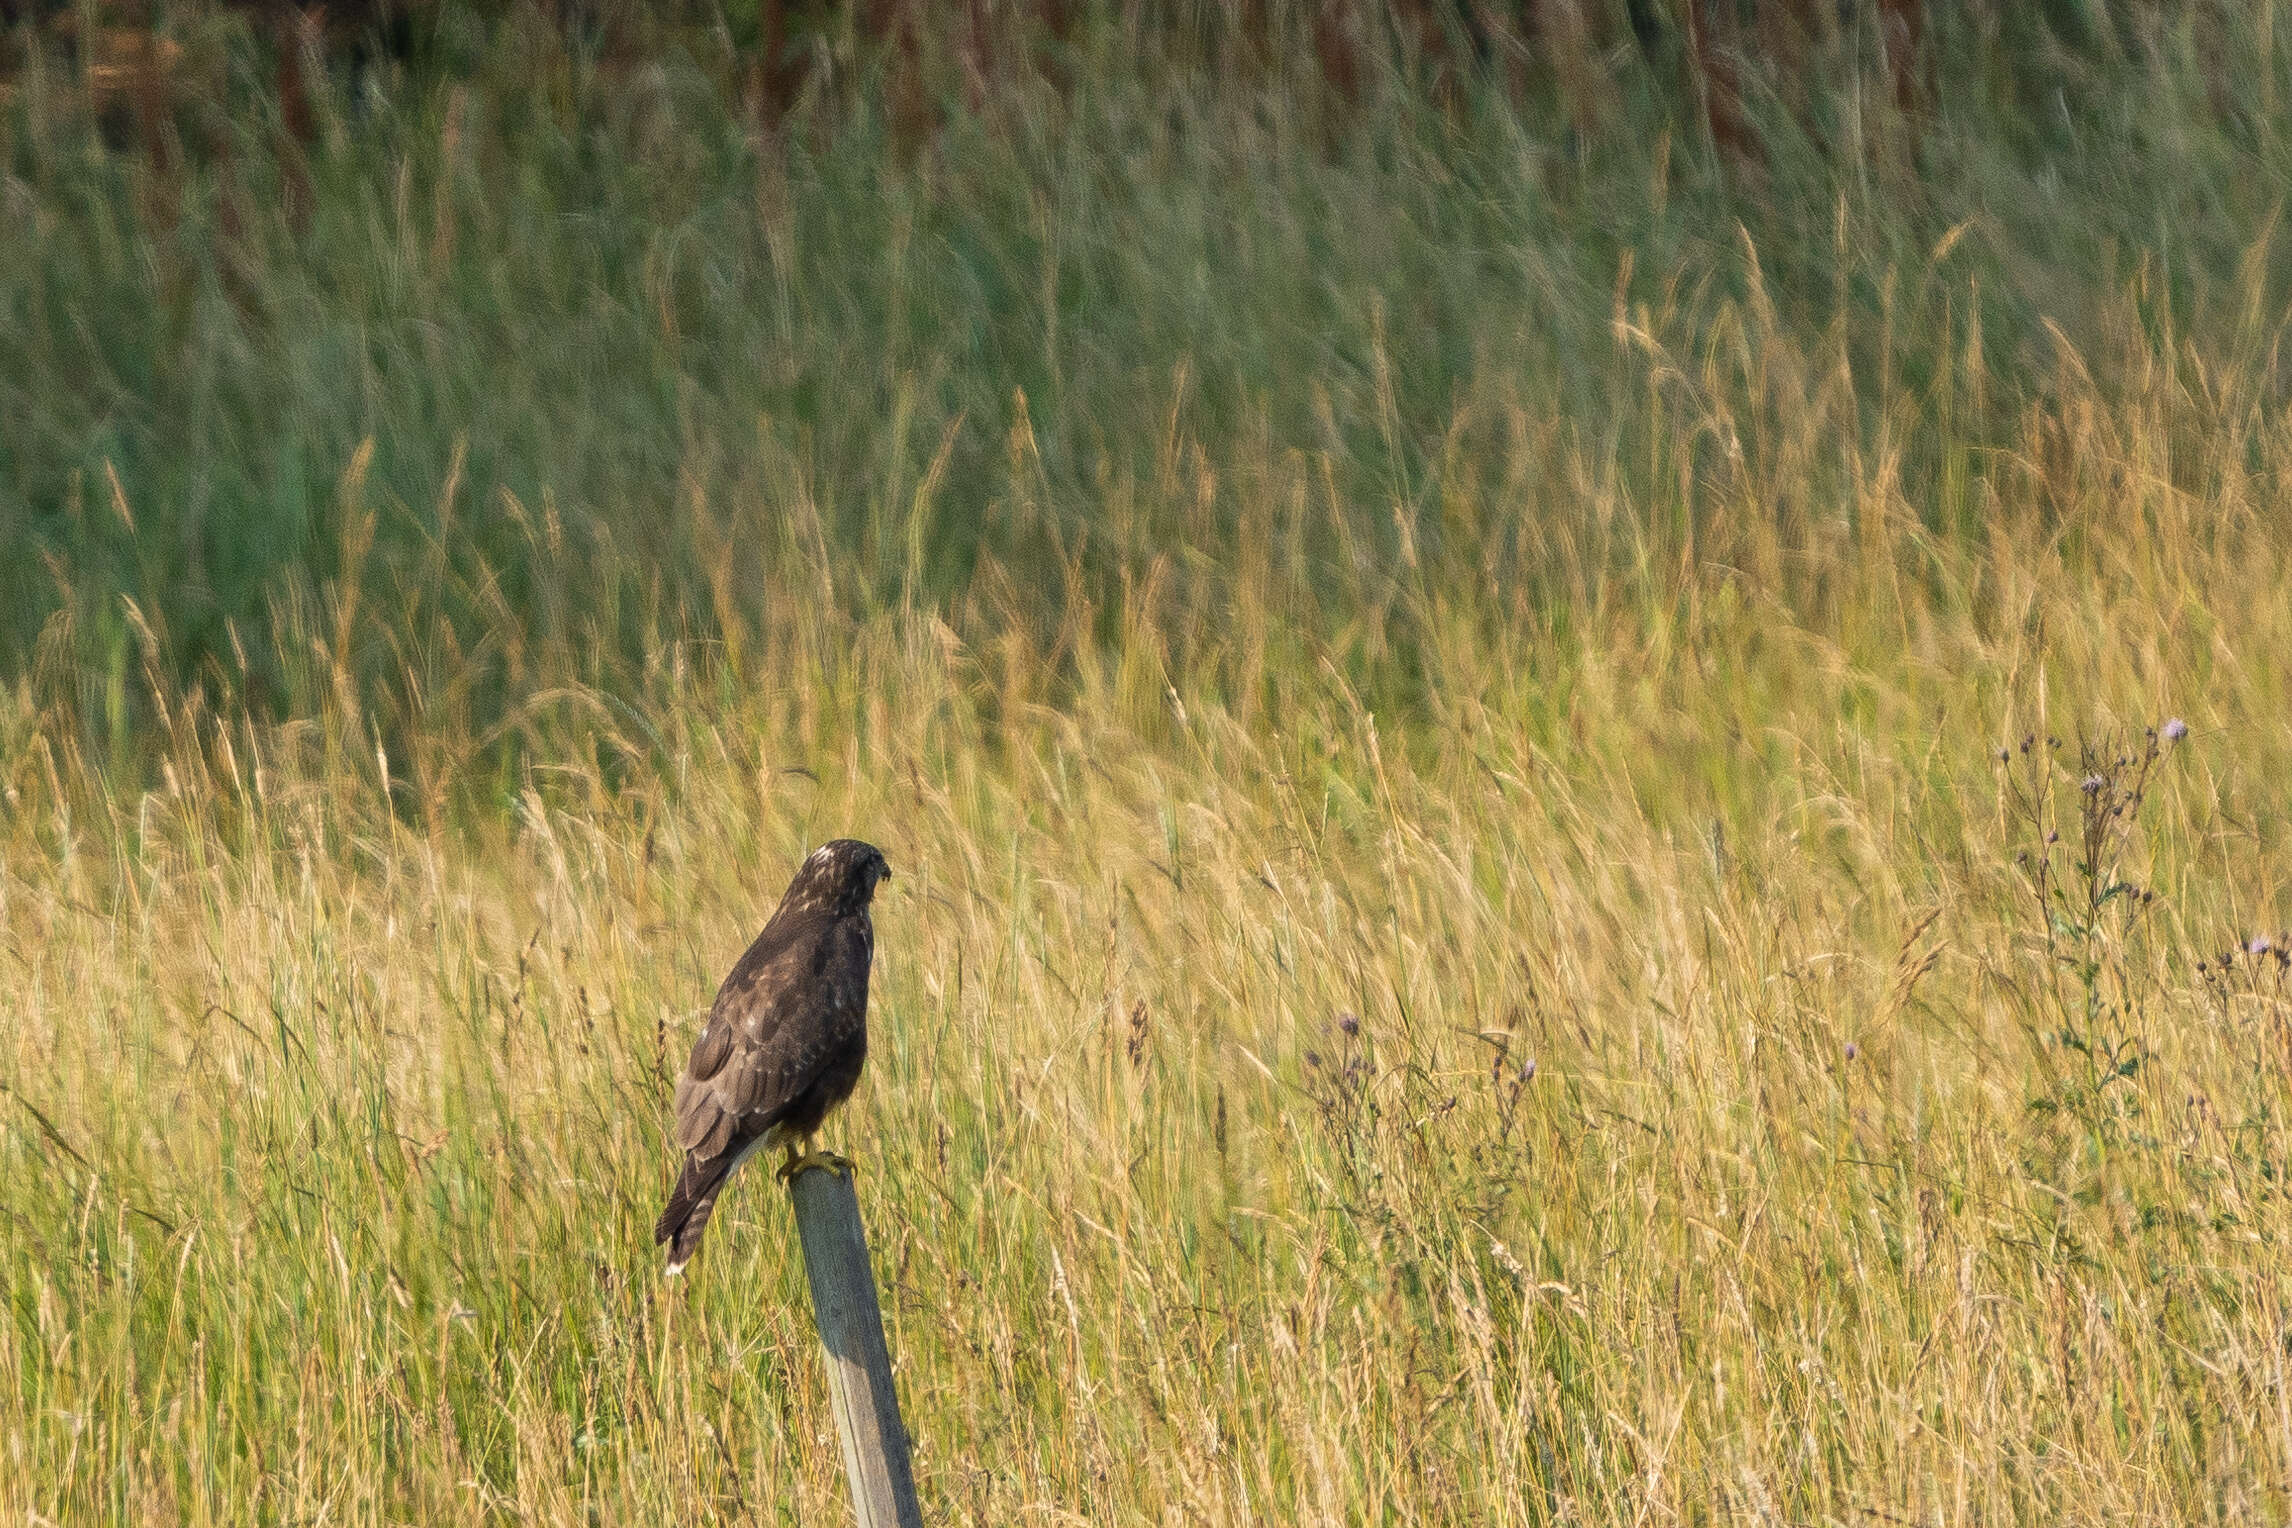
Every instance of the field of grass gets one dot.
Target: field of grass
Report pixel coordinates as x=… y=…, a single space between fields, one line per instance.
x=1541 y=874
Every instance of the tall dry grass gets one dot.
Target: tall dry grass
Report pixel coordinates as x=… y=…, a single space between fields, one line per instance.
x=1463 y=950
x=1637 y=1083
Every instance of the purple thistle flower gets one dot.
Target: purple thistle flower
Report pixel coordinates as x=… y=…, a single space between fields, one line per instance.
x=2091 y=785
x=1853 y=1050
x=2258 y=945
x=1348 y=1023
x=2175 y=730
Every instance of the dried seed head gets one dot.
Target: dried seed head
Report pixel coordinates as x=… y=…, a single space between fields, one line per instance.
x=2091 y=785
x=1349 y=1023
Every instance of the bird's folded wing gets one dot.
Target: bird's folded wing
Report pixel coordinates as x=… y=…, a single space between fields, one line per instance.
x=767 y=1040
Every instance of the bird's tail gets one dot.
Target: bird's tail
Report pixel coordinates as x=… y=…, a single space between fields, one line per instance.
x=690 y=1204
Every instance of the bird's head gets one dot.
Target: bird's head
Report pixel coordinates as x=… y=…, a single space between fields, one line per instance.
x=841 y=874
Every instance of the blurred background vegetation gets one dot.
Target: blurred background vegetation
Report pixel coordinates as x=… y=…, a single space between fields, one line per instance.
x=432 y=356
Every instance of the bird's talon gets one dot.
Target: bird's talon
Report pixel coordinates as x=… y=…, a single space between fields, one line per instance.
x=832 y=1161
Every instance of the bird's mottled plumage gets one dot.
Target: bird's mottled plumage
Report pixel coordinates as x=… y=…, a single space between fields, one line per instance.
x=785 y=1039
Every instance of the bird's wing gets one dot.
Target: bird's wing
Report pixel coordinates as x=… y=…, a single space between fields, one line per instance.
x=781 y=1018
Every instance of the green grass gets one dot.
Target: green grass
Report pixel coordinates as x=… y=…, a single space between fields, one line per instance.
x=1552 y=600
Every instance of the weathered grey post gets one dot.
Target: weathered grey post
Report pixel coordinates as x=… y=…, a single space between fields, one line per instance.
x=844 y=1308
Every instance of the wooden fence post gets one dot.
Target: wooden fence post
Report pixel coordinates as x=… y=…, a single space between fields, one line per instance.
x=844 y=1308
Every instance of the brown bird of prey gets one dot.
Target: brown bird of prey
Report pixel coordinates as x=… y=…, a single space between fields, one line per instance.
x=784 y=1041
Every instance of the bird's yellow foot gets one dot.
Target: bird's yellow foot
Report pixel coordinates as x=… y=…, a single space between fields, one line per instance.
x=810 y=1159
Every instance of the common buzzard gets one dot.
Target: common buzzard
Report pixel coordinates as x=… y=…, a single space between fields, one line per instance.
x=784 y=1041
